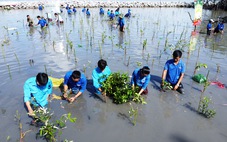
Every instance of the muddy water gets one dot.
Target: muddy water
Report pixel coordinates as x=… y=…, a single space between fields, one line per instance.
x=168 y=116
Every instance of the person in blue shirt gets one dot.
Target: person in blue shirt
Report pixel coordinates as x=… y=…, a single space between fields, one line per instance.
x=101 y=11
x=74 y=9
x=40 y=7
x=128 y=14
x=42 y=22
x=219 y=28
x=88 y=12
x=209 y=26
x=117 y=11
x=84 y=9
x=74 y=83
x=67 y=7
x=141 y=78
x=36 y=91
x=173 y=72
x=99 y=75
x=121 y=23
x=108 y=12
x=111 y=15
x=69 y=11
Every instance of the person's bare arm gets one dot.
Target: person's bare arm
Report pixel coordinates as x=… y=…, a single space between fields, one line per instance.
x=65 y=95
x=179 y=81
x=30 y=110
x=163 y=76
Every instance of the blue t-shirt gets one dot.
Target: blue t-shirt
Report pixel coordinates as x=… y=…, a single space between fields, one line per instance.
x=74 y=10
x=42 y=22
x=99 y=76
x=40 y=7
x=141 y=81
x=84 y=9
x=108 y=13
x=80 y=85
x=69 y=11
x=101 y=11
x=111 y=15
x=121 y=22
x=209 y=26
x=88 y=12
x=174 y=71
x=39 y=93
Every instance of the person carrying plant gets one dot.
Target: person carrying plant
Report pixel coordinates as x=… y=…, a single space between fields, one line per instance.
x=37 y=91
x=173 y=72
x=141 y=78
x=74 y=83
x=99 y=75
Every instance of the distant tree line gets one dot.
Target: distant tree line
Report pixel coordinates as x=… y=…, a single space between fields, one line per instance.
x=215 y=4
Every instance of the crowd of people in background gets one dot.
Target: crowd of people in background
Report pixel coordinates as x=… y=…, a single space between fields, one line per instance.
x=70 y=9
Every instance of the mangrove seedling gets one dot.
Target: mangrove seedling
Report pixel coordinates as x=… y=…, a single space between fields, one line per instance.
x=166 y=85
x=128 y=61
x=9 y=72
x=198 y=66
x=144 y=44
x=133 y=113
x=203 y=108
x=138 y=63
x=22 y=134
x=49 y=128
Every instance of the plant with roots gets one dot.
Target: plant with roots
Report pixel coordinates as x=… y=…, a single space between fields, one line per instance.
x=49 y=128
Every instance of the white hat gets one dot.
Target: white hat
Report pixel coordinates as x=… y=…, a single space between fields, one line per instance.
x=211 y=20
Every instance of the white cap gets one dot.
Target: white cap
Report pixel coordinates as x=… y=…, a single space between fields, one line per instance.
x=211 y=20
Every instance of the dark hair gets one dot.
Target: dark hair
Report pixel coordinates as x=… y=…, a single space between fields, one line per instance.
x=177 y=53
x=38 y=16
x=145 y=70
x=76 y=74
x=27 y=15
x=42 y=78
x=102 y=64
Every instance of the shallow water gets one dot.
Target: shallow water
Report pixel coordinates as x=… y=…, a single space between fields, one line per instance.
x=167 y=117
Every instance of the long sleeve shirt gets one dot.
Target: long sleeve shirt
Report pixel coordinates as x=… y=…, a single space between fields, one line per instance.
x=99 y=76
x=37 y=95
x=80 y=85
x=139 y=80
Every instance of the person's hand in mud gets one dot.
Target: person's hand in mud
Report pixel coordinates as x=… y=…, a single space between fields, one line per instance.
x=72 y=99
x=176 y=87
x=65 y=96
x=31 y=112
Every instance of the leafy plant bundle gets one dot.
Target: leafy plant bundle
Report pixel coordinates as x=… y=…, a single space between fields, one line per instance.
x=118 y=88
x=49 y=128
x=167 y=86
x=203 y=108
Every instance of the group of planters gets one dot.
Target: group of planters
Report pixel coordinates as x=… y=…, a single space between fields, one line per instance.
x=116 y=86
